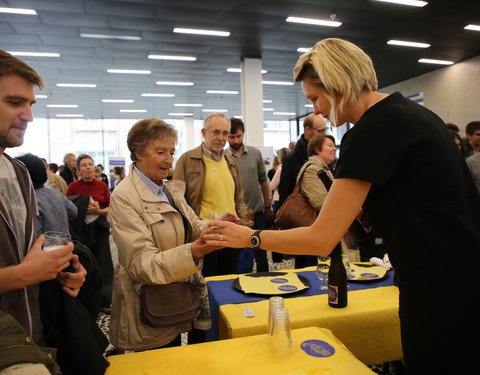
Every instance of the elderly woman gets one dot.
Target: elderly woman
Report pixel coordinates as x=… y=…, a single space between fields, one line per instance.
x=96 y=234
x=399 y=163
x=321 y=152
x=159 y=239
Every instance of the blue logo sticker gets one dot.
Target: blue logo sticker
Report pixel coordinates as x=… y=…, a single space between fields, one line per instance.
x=317 y=348
x=287 y=288
x=279 y=280
x=370 y=275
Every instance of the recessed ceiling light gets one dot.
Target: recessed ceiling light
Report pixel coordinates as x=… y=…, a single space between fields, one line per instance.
x=433 y=61
x=278 y=83
x=413 y=3
x=308 y=105
x=76 y=85
x=222 y=92
x=128 y=71
x=405 y=43
x=238 y=70
x=106 y=36
x=184 y=114
x=69 y=115
x=472 y=27
x=171 y=57
x=268 y=109
x=180 y=30
x=118 y=101
x=157 y=95
x=133 y=110
x=62 y=105
x=187 y=105
x=34 y=54
x=313 y=21
x=31 y=12
x=303 y=49
x=266 y=101
x=285 y=113
x=215 y=110
x=41 y=96
x=172 y=83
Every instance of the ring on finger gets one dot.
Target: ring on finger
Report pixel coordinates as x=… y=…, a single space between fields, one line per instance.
x=220 y=237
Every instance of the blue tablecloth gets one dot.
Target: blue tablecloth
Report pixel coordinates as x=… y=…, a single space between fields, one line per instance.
x=222 y=293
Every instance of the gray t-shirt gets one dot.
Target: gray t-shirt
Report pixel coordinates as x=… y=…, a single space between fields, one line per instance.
x=252 y=172
x=12 y=199
x=473 y=163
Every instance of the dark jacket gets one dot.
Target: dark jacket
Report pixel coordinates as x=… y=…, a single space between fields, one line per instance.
x=68 y=175
x=17 y=347
x=22 y=304
x=291 y=165
x=70 y=323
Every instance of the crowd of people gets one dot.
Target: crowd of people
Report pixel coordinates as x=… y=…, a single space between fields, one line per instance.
x=159 y=217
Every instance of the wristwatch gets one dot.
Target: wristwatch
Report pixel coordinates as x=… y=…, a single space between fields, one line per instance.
x=255 y=239
x=267 y=205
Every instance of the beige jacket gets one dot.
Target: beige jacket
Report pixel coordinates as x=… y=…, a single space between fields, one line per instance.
x=191 y=169
x=57 y=182
x=150 y=237
x=312 y=187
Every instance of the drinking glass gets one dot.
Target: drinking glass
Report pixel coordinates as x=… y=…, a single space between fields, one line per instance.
x=274 y=304
x=55 y=240
x=322 y=271
x=348 y=268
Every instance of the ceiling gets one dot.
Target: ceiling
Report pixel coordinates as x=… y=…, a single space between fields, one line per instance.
x=258 y=28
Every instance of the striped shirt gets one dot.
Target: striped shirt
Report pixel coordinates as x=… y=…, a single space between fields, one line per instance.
x=159 y=190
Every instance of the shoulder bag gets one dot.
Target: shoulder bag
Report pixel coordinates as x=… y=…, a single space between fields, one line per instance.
x=296 y=211
x=169 y=304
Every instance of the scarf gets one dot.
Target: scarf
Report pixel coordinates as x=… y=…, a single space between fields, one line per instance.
x=324 y=165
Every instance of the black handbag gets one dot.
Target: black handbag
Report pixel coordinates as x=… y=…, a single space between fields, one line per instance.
x=168 y=305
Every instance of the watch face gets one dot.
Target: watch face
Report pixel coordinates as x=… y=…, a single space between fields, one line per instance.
x=254 y=241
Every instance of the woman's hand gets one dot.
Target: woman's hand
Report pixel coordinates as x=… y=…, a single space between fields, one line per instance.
x=227 y=234
x=200 y=247
x=93 y=208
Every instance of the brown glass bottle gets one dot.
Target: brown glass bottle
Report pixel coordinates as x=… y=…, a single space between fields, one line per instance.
x=337 y=280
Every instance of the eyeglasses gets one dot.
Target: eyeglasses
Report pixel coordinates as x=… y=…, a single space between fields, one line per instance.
x=321 y=131
x=217 y=133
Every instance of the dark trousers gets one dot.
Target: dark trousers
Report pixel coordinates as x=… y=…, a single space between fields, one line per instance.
x=220 y=262
x=247 y=255
x=260 y=222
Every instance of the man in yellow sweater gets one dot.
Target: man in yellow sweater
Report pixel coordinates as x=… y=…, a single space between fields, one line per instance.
x=213 y=184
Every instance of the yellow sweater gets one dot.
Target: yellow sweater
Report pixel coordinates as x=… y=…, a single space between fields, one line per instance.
x=218 y=190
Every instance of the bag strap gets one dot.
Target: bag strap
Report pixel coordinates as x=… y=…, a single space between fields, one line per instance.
x=322 y=175
x=296 y=189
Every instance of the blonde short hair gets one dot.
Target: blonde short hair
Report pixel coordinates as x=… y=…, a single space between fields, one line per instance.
x=341 y=68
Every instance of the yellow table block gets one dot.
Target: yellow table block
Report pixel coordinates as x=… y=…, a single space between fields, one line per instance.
x=247 y=355
x=369 y=326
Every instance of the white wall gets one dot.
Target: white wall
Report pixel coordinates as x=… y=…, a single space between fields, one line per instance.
x=453 y=92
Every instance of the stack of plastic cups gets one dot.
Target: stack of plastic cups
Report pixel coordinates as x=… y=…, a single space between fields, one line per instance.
x=281 y=338
x=275 y=303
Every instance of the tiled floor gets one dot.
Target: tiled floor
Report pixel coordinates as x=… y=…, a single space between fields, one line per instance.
x=104 y=319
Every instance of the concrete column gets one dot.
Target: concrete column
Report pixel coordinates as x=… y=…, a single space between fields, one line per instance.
x=189 y=133
x=252 y=96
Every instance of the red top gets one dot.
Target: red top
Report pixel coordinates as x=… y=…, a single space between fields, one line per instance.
x=96 y=189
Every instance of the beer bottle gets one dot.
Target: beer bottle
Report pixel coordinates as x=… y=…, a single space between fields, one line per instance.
x=337 y=279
